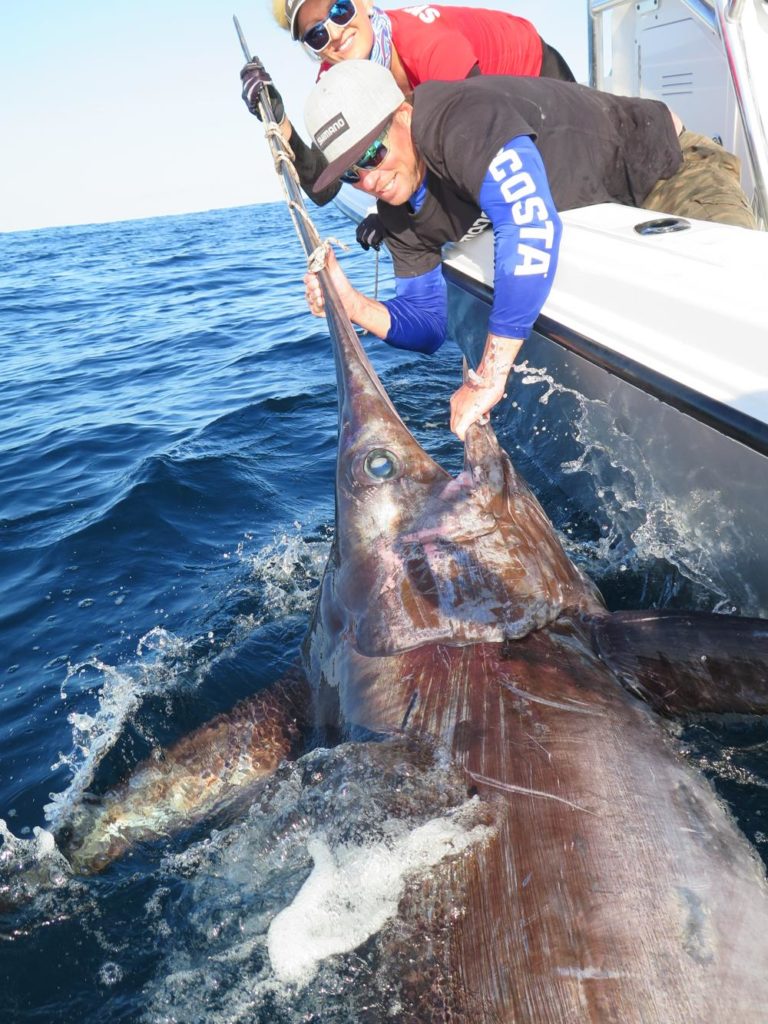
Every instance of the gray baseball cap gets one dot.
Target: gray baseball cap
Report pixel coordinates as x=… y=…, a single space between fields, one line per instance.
x=346 y=111
x=292 y=8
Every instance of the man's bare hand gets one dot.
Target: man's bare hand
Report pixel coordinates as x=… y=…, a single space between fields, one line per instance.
x=314 y=292
x=472 y=403
x=485 y=388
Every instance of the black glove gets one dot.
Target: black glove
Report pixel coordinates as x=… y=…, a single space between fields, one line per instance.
x=370 y=232
x=254 y=75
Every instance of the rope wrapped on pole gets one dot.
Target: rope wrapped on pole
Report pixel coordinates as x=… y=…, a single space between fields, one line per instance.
x=315 y=249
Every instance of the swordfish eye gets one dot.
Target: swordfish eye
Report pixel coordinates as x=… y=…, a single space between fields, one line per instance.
x=380 y=465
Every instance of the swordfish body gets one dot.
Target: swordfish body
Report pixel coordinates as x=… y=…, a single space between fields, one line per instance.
x=615 y=886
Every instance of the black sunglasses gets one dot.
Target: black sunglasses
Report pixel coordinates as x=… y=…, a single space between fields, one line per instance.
x=372 y=157
x=317 y=37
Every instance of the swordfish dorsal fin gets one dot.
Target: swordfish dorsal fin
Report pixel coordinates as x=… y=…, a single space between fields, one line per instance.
x=687 y=662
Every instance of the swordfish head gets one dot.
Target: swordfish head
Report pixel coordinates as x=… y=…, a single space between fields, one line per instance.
x=420 y=557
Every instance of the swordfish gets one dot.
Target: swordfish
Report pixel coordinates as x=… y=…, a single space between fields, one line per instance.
x=615 y=886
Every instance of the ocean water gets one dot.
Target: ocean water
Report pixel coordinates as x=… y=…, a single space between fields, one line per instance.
x=167 y=457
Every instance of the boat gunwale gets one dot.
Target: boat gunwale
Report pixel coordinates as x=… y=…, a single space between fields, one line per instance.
x=732 y=423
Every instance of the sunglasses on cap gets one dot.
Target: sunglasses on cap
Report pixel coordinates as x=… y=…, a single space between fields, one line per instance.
x=372 y=157
x=317 y=36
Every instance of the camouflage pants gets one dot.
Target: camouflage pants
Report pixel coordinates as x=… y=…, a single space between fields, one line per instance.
x=706 y=187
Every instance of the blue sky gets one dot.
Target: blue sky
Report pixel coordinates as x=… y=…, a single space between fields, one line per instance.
x=115 y=110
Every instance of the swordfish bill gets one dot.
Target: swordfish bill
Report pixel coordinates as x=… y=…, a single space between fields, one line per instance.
x=616 y=886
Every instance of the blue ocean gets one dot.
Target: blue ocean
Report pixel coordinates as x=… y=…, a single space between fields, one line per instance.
x=167 y=458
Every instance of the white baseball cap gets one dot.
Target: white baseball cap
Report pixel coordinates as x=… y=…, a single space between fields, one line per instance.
x=346 y=111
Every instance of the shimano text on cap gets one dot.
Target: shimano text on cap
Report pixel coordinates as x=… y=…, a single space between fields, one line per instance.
x=328 y=132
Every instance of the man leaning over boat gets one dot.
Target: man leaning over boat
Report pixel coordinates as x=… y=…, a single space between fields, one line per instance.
x=519 y=149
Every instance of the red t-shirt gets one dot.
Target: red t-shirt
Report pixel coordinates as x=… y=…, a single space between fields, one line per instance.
x=444 y=43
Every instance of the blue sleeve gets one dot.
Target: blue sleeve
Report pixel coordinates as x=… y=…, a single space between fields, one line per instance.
x=419 y=313
x=526 y=230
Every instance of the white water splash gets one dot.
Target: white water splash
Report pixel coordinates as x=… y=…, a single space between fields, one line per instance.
x=29 y=865
x=289 y=569
x=352 y=891
x=641 y=522
x=320 y=864
x=93 y=735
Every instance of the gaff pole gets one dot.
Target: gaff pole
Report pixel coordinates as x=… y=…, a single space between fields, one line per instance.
x=283 y=158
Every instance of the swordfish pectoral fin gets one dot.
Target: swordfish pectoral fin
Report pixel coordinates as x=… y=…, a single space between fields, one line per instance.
x=688 y=662
x=205 y=772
